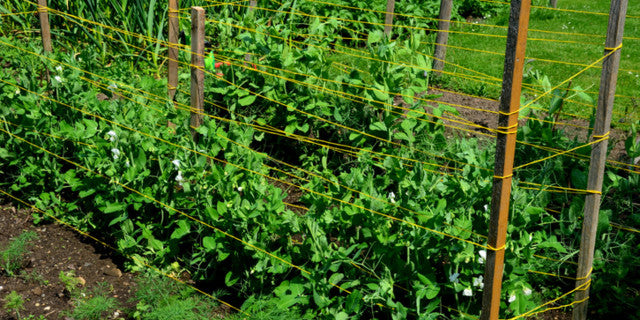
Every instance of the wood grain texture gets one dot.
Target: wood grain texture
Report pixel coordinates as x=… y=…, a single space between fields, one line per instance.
x=197 y=68
x=45 y=29
x=442 y=38
x=505 y=150
x=602 y=125
x=173 y=34
x=388 y=18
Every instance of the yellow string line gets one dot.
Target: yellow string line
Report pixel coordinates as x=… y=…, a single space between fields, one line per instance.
x=50 y=135
x=357 y=99
x=529 y=58
x=376 y=276
x=460 y=312
x=311 y=173
x=565 y=10
x=341 y=185
x=408 y=27
x=560 y=307
x=151 y=39
x=17 y=13
x=231 y=164
x=580 y=191
x=272 y=130
x=556 y=260
x=582 y=287
x=617 y=167
x=568 y=79
x=561 y=153
x=583 y=157
x=153 y=199
x=610 y=48
x=564 y=277
x=615 y=225
x=345 y=127
x=322 y=119
x=131 y=257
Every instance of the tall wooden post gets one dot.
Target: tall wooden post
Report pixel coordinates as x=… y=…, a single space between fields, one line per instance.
x=443 y=35
x=553 y=3
x=601 y=129
x=44 y=25
x=174 y=31
x=505 y=149
x=252 y=5
x=197 y=68
x=388 y=18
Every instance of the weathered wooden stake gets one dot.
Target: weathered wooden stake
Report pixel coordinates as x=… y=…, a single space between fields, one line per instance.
x=44 y=25
x=608 y=81
x=252 y=5
x=388 y=18
x=505 y=149
x=197 y=68
x=443 y=35
x=174 y=31
x=553 y=3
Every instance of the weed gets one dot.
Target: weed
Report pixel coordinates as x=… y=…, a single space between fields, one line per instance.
x=34 y=277
x=14 y=302
x=12 y=257
x=97 y=307
x=70 y=281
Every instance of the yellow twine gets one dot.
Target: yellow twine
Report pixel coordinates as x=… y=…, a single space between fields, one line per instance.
x=503 y=177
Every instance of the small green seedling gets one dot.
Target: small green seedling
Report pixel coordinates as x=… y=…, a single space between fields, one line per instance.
x=12 y=257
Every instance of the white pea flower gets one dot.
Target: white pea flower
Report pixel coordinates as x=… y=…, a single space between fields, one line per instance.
x=59 y=68
x=112 y=86
x=112 y=135
x=17 y=91
x=240 y=189
x=512 y=298
x=483 y=256
x=58 y=78
x=527 y=291
x=454 y=277
x=127 y=164
x=179 y=177
x=530 y=237
x=478 y=282
x=486 y=207
x=392 y=197
x=467 y=292
x=116 y=153
x=176 y=163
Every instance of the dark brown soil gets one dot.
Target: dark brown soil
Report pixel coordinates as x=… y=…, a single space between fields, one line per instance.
x=57 y=249
x=490 y=120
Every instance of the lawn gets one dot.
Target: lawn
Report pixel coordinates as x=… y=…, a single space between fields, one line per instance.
x=581 y=43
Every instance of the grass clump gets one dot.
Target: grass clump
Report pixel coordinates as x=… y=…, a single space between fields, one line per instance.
x=96 y=304
x=160 y=298
x=12 y=257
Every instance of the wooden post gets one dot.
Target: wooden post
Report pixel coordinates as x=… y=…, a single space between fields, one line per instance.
x=44 y=25
x=443 y=35
x=388 y=18
x=505 y=149
x=601 y=129
x=197 y=68
x=553 y=3
x=174 y=31
x=252 y=5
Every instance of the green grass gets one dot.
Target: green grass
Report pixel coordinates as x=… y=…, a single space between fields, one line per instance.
x=587 y=50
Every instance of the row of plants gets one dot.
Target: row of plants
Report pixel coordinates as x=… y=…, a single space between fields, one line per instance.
x=227 y=178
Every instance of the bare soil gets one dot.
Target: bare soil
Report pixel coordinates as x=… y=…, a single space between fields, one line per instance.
x=57 y=249
x=61 y=249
